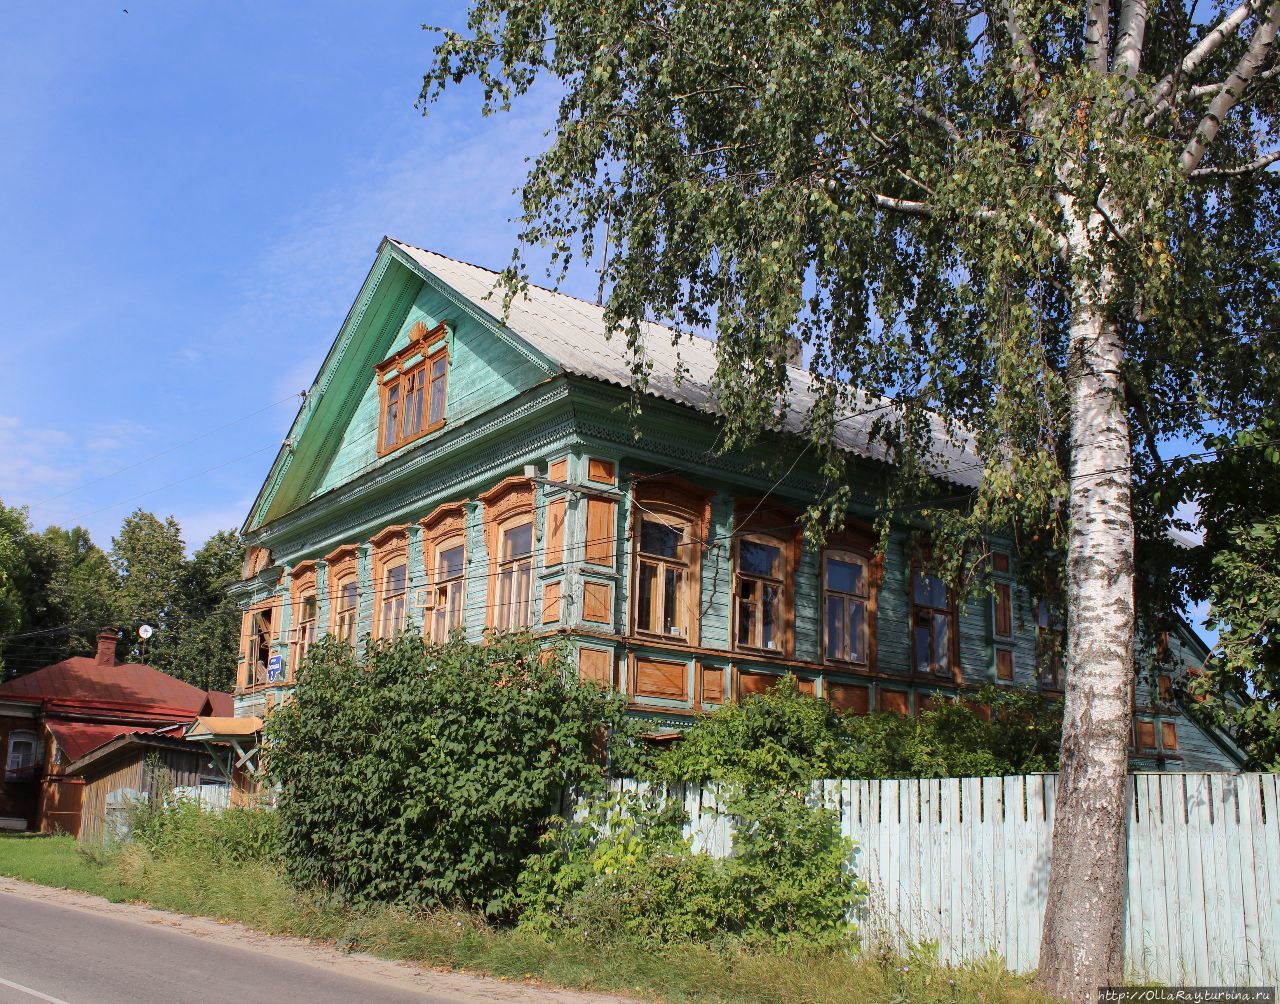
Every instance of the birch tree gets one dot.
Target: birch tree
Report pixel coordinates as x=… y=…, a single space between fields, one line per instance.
x=1050 y=224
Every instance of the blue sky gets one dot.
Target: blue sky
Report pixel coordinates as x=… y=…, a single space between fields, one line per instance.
x=191 y=195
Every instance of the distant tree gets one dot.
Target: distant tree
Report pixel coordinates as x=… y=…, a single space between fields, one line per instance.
x=15 y=573
x=1050 y=227
x=1237 y=570
x=208 y=632
x=150 y=562
x=72 y=595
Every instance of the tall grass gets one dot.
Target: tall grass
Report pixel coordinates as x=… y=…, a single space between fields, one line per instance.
x=221 y=866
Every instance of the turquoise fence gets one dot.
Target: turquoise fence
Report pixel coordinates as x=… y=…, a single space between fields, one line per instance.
x=964 y=863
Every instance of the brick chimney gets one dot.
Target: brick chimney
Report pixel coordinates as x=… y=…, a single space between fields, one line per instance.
x=107 y=639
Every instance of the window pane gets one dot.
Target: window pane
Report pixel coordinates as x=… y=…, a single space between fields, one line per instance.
x=923 y=646
x=449 y=563
x=395 y=580
x=746 y=612
x=930 y=591
x=393 y=415
x=769 y=620
x=857 y=631
x=647 y=589
x=517 y=542
x=413 y=405
x=659 y=539
x=438 y=370
x=756 y=558
x=836 y=635
x=520 y=605
x=673 y=602
x=845 y=576
x=942 y=642
x=309 y=608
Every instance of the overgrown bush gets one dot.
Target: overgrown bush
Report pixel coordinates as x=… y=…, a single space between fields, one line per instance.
x=623 y=870
x=425 y=774
x=784 y=736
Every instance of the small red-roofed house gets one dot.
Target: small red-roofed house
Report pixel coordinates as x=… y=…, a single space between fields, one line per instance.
x=62 y=712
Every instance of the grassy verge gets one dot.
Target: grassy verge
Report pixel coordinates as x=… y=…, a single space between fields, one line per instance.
x=255 y=894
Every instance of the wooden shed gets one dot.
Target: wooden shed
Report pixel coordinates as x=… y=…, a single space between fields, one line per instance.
x=121 y=772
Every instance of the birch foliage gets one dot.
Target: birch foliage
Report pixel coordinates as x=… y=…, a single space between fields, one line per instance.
x=1044 y=228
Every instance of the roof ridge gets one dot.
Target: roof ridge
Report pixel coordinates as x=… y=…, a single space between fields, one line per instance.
x=545 y=289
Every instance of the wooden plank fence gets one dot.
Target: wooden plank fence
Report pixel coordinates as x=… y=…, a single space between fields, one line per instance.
x=964 y=863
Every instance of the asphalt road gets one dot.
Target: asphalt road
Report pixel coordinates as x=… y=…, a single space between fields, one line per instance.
x=66 y=954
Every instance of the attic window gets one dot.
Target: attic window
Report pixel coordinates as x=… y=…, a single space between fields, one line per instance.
x=412 y=388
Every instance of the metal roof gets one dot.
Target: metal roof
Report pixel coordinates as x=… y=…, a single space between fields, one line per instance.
x=573 y=333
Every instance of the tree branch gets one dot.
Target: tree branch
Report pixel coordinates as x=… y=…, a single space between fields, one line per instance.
x=1025 y=61
x=1225 y=28
x=1204 y=90
x=905 y=206
x=1259 y=46
x=1096 y=26
x=1260 y=164
x=1133 y=30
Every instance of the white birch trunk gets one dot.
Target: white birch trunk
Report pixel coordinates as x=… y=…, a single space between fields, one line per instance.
x=1081 y=944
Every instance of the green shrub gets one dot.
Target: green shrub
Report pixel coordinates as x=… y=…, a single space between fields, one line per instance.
x=424 y=775
x=624 y=871
x=785 y=736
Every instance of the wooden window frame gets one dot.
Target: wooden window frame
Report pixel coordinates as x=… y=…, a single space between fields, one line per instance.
x=343 y=566
x=508 y=504
x=302 y=584
x=418 y=359
x=678 y=499
x=858 y=545
x=445 y=525
x=777 y=527
x=1057 y=638
x=690 y=566
x=953 y=669
x=251 y=643
x=390 y=551
x=28 y=771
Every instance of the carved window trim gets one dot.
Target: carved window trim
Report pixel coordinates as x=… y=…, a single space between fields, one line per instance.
x=676 y=502
x=421 y=368
x=259 y=631
x=444 y=528
x=776 y=527
x=344 y=569
x=303 y=633
x=508 y=505
x=390 y=609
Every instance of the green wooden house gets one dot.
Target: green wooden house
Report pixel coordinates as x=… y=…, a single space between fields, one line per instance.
x=452 y=472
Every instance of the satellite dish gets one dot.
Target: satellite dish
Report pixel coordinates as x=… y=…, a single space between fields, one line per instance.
x=145 y=632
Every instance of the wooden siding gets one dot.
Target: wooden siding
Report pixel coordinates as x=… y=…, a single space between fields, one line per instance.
x=130 y=772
